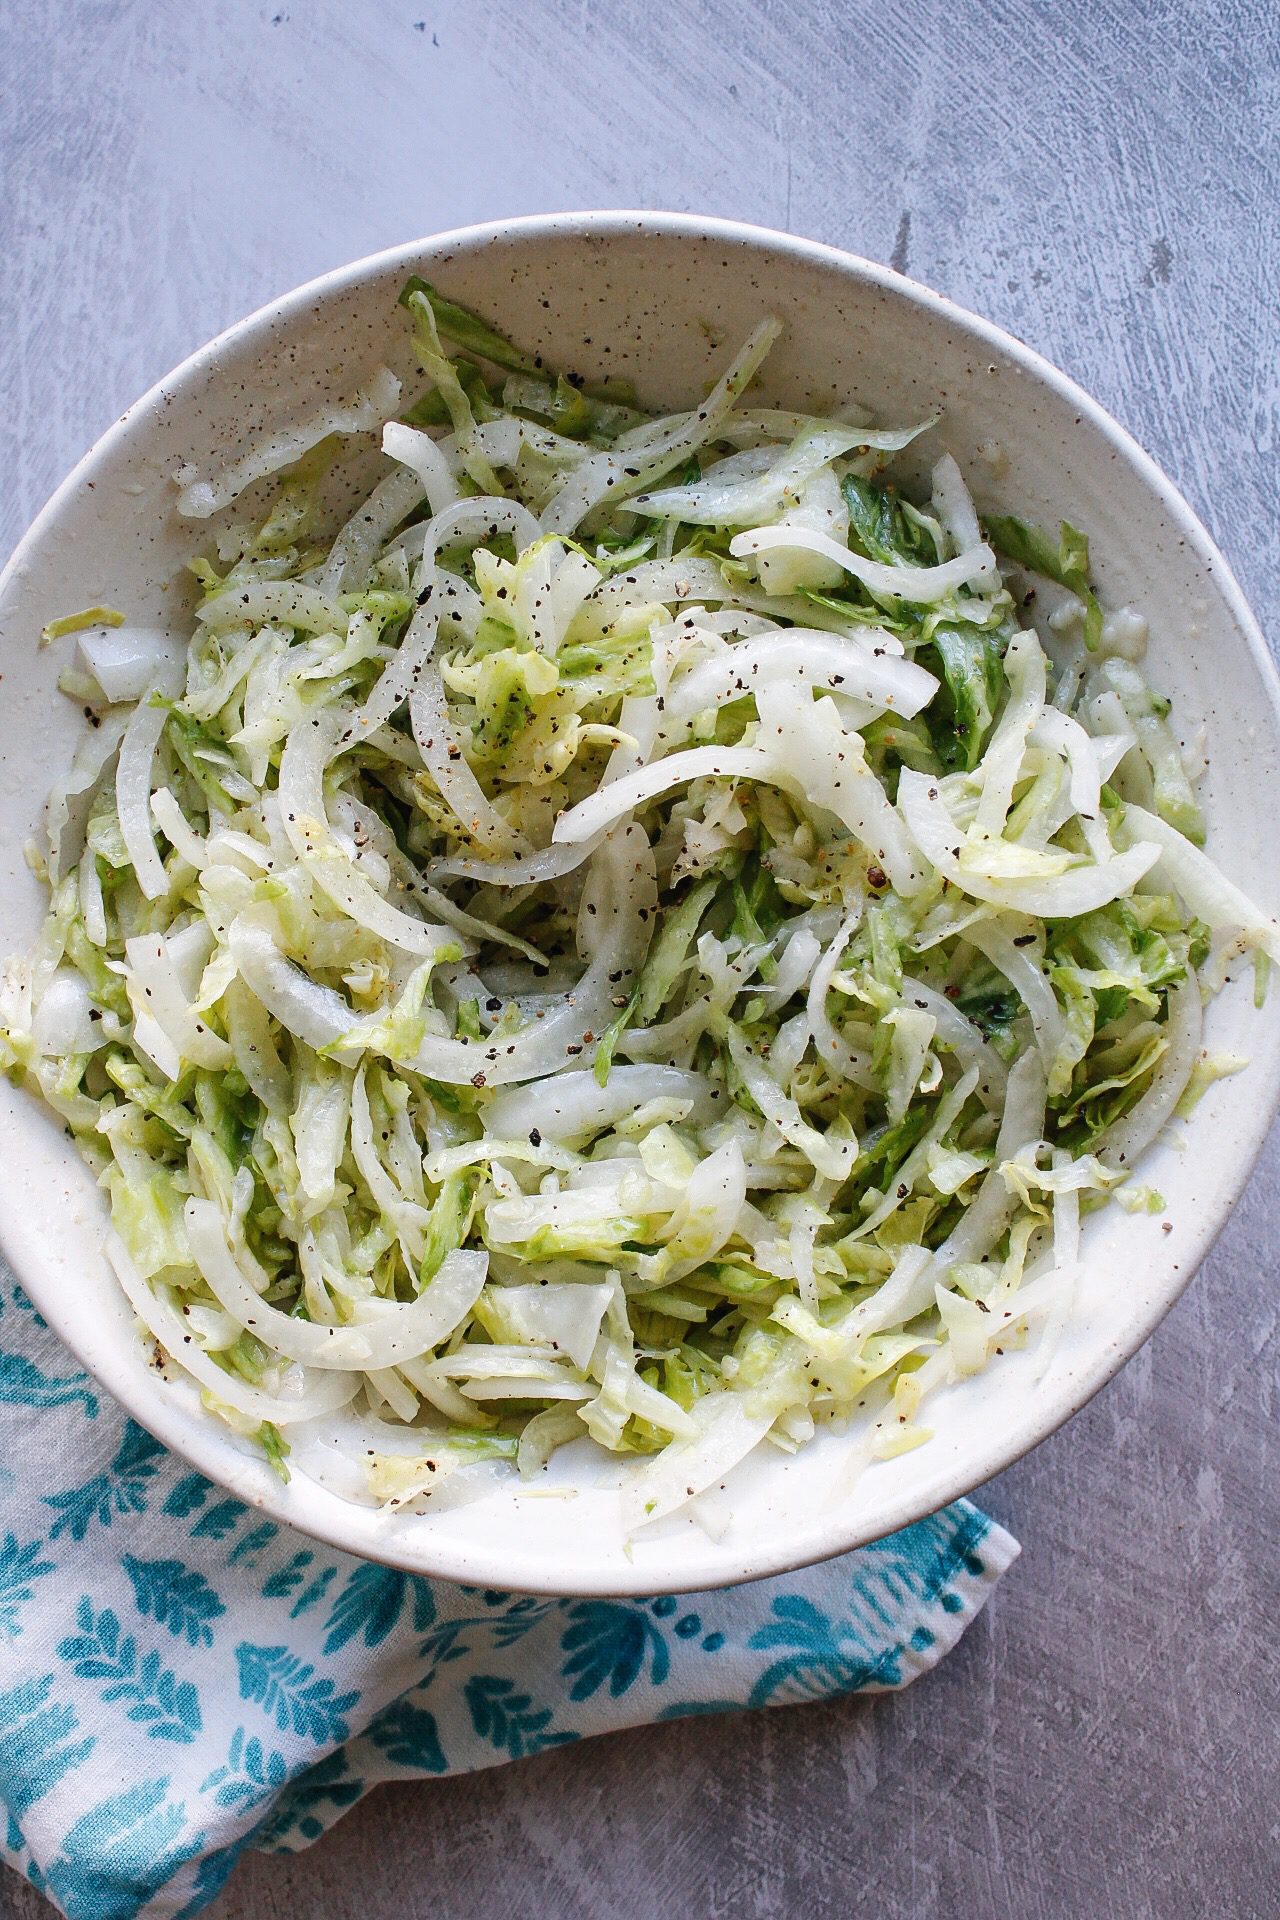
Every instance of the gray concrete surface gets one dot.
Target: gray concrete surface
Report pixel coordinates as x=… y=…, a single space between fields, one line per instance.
x=1100 y=177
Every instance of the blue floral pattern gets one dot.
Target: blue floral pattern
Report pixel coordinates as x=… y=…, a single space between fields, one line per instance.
x=121 y=1489
x=608 y=1641
x=178 y=1596
x=20 y=1568
x=169 y=1708
x=180 y=1678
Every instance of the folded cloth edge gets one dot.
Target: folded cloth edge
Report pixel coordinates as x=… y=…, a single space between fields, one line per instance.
x=181 y=1680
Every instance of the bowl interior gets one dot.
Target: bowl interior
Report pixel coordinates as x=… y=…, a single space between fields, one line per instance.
x=663 y=302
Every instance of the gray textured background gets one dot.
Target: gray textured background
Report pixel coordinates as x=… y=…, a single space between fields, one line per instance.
x=1101 y=177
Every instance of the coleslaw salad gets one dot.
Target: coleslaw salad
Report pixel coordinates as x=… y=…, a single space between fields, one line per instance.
x=643 y=933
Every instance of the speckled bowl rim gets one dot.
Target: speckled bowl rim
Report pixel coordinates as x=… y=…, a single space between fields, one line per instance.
x=820 y=1538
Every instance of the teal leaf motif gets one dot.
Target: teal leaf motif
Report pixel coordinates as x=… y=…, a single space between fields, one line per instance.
x=609 y=1642
x=35 y=1752
x=24 y=1304
x=23 y=1385
x=896 y=1577
x=291 y=1692
x=212 y=1874
x=685 y=1709
x=509 y=1720
x=822 y=1656
x=409 y=1736
x=314 y=1591
x=190 y=1492
x=371 y=1603
x=177 y=1597
x=326 y=1783
x=120 y=1853
x=20 y=1568
x=169 y=1708
x=218 y=1521
x=284 y=1580
x=918 y=1563
x=248 y=1775
x=253 y=1543
x=121 y=1489
x=452 y=1638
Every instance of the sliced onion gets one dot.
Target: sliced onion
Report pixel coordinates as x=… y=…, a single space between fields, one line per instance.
x=339 y=880
x=1084 y=758
x=1022 y=970
x=399 y=1332
x=625 y=469
x=416 y=450
x=254 y=1047
x=964 y=1038
x=575 y=579
x=1127 y=1137
x=64 y=1020
x=848 y=1061
x=319 y=1123
x=839 y=663
x=990 y=1212
x=366 y=532
x=824 y=764
x=306 y=826
x=66 y=812
x=160 y=999
x=289 y=602
x=565 y=1317
x=1080 y=889
x=728 y=1430
x=313 y=1013
x=482 y=518
x=177 y=830
x=796 y=963
x=623 y=887
x=709 y=1210
x=827 y=1153
x=923 y=586
x=469 y=924
x=409 y=1219
x=321 y=1016
x=675 y=582
x=1024 y=667
x=609 y=804
x=1183 y=869
x=133 y=796
x=575 y=1105
x=745 y=488
x=526 y=1387
x=127 y=661
x=912 y=1031
x=93 y=908
x=954 y=506
x=304 y=1395
x=638 y=722
x=502 y=441
x=820 y=507
x=520 y=870
x=443 y=756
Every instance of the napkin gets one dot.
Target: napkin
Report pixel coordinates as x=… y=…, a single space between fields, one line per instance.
x=181 y=1678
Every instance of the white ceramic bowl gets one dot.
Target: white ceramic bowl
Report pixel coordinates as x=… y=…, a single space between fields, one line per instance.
x=659 y=298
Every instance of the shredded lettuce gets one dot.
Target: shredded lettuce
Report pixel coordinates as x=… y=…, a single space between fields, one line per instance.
x=629 y=936
x=1067 y=563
